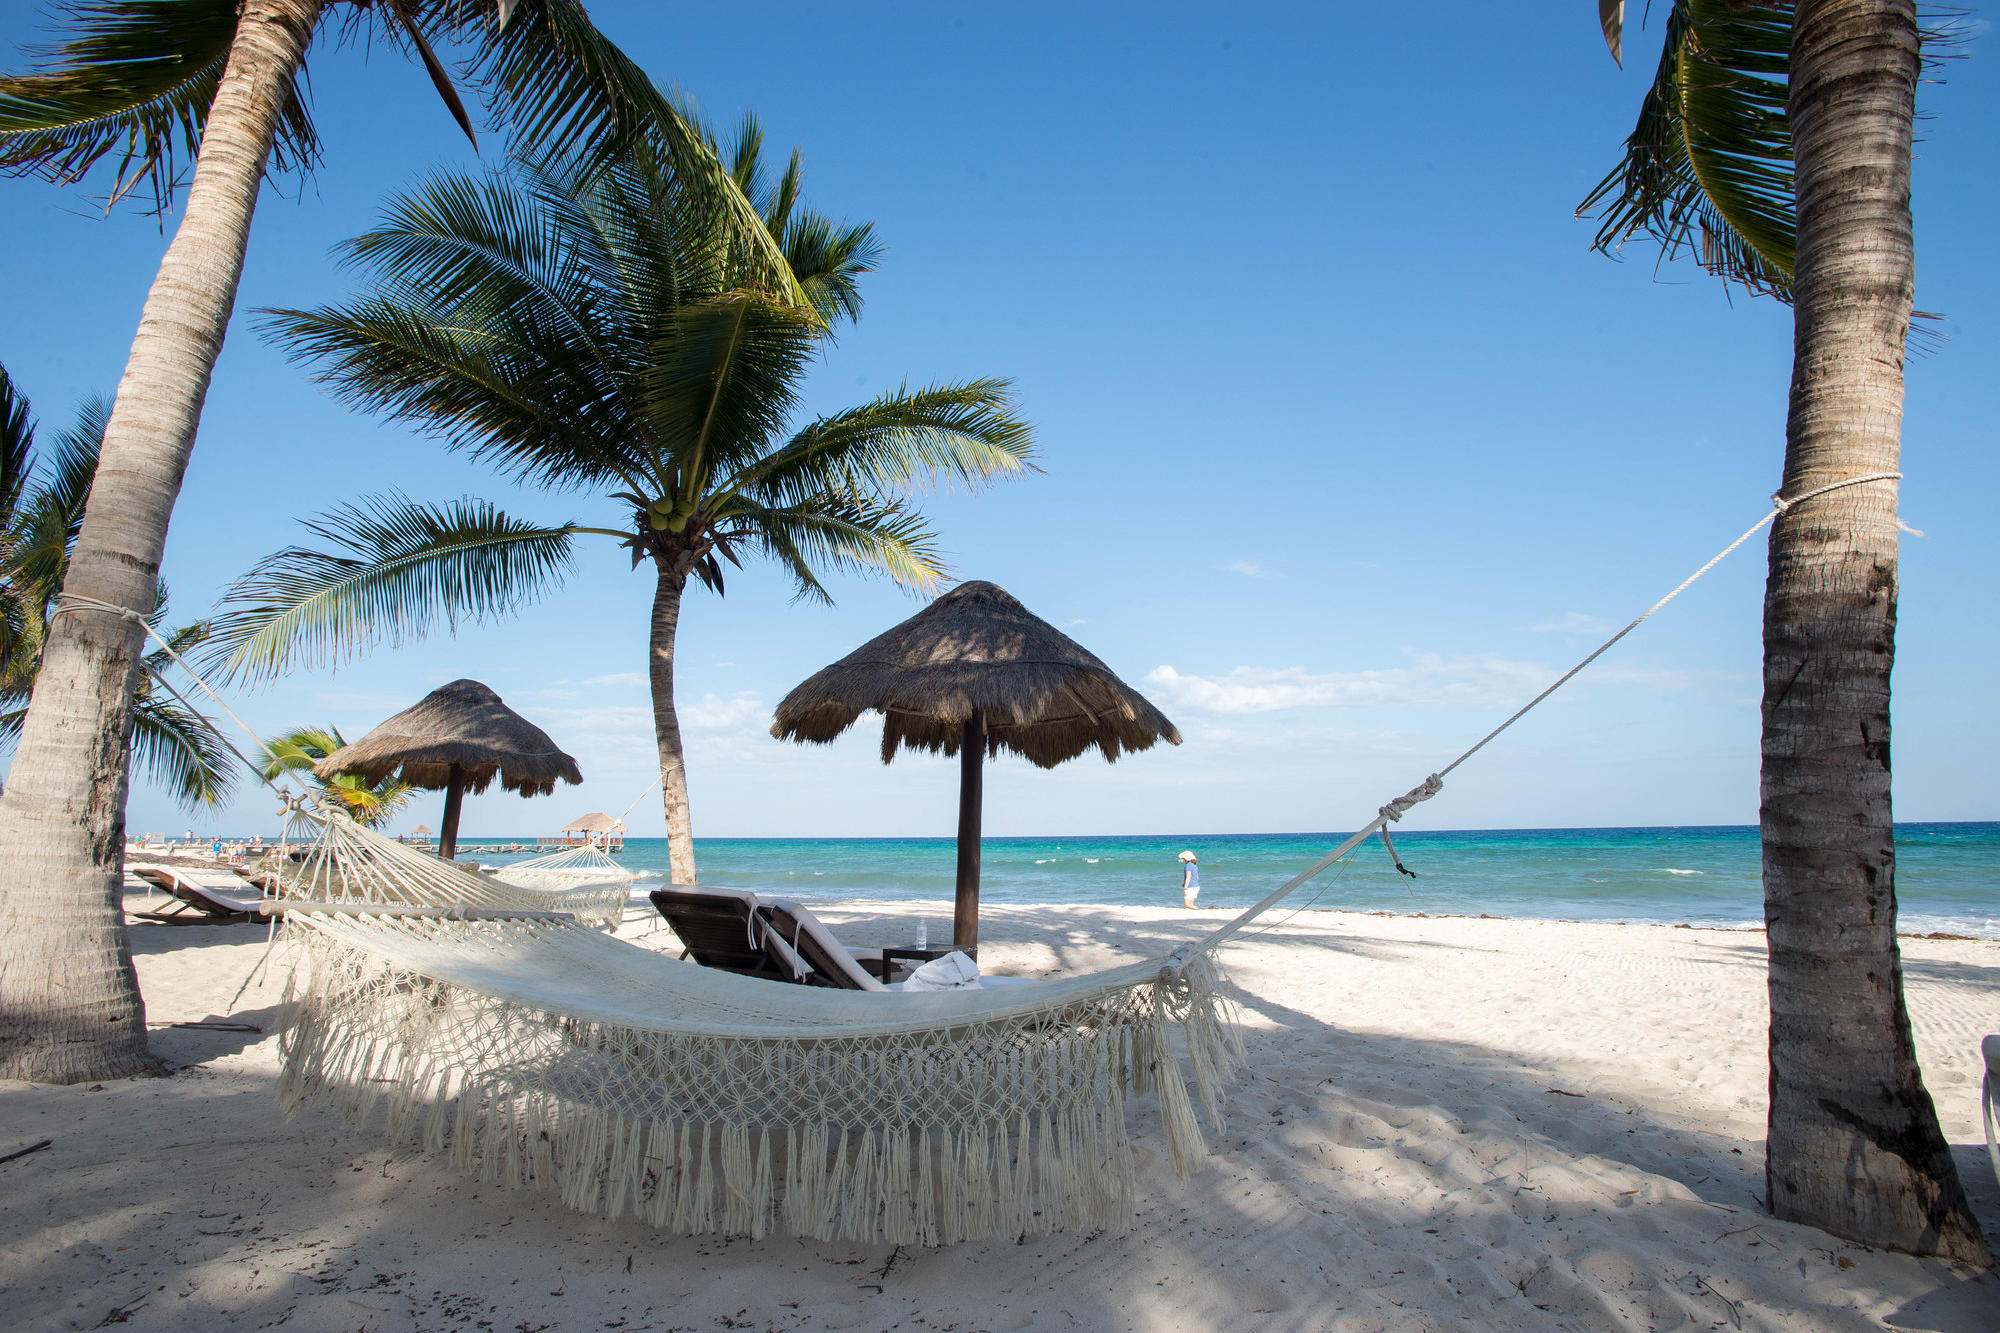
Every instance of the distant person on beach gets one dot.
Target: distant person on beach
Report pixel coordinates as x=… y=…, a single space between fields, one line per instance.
x=1190 y=880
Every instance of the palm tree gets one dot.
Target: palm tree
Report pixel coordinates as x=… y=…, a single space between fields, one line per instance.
x=147 y=82
x=1782 y=133
x=587 y=328
x=370 y=804
x=41 y=508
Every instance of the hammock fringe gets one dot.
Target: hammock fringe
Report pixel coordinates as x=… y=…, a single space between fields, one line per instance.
x=996 y=1127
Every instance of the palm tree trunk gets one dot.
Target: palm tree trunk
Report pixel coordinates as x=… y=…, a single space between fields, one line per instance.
x=667 y=723
x=72 y=1009
x=1854 y=1146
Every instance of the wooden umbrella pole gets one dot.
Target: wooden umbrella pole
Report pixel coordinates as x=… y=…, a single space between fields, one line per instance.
x=454 y=797
x=971 y=756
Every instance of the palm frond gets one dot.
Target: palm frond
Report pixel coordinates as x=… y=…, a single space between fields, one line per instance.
x=1708 y=167
x=180 y=642
x=829 y=259
x=50 y=515
x=17 y=445
x=135 y=79
x=826 y=257
x=181 y=751
x=522 y=397
x=387 y=568
x=369 y=806
x=855 y=534
x=952 y=435
x=566 y=92
x=721 y=380
x=299 y=749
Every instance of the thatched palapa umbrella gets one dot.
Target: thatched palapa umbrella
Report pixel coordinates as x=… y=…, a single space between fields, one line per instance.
x=459 y=737
x=973 y=673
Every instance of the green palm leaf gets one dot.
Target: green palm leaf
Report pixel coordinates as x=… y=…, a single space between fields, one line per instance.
x=49 y=516
x=853 y=534
x=721 y=380
x=137 y=78
x=134 y=78
x=476 y=386
x=827 y=258
x=299 y=749
x=959 y=436
x=570 y=95
x=17 y=446
x=1709 y=165
x=393 y=570
x=368 y=804
x=181 y=751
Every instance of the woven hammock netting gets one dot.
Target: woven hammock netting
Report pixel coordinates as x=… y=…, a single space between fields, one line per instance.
x=494 y=1021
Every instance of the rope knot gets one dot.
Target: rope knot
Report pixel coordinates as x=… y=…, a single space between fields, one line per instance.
x=1423 y=791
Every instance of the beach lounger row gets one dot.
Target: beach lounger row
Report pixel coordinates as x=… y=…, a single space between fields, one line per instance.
x=204 y=897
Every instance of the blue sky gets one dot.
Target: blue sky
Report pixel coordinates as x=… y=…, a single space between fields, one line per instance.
x=1349 y=441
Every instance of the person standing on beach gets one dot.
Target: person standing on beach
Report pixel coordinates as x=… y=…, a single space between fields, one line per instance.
x=1190 y=880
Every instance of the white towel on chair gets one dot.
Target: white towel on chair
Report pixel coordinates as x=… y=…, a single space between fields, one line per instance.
x=954 y=971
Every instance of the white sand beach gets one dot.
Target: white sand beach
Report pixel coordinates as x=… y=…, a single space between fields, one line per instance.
x=1446 y=1123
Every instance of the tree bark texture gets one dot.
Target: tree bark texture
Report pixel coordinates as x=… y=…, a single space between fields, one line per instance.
x=666 y=723
x=1854 y=1145
x=69 y=999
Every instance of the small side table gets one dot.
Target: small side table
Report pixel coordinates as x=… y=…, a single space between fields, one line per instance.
x=893 y=954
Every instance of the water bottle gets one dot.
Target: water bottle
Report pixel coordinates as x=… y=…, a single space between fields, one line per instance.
x=923 y=935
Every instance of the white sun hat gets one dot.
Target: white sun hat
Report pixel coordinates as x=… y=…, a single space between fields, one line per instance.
x=1187 y=856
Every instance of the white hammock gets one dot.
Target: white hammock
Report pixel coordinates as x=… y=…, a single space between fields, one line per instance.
x=575 y=870
x=542 y=1053
x=348 y=863
x=584 y=863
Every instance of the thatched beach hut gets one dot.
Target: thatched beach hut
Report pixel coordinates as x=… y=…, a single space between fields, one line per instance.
x=597 y=827
x=972 y=674
x=457 y=738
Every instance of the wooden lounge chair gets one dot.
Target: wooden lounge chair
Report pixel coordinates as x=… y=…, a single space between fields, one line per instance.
x=207 y=897
x=731 y=930
x=830 y=962
x=723 y=929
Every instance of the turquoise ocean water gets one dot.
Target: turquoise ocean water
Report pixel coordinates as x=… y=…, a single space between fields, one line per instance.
x=1947 y=875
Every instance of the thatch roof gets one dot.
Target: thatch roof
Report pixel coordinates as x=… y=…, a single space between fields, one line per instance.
x=977 y=649
x=463 y=723
x=595 y=822
x=423 y=831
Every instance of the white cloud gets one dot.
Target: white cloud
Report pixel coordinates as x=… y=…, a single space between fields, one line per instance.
x=619 y=678
x=712 y=712
x=1249 y=569
x=1431 y=682
x=1575 y=622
